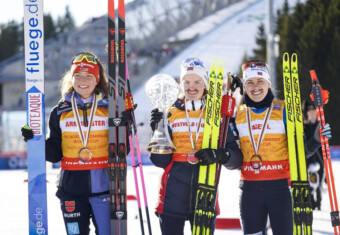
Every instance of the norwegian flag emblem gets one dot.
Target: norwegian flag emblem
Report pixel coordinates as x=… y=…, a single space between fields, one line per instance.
x=190 y=68
x=260 y=73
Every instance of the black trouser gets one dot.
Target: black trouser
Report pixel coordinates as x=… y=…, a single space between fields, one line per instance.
x=77 y=212
x=172 y=225
x=260 y=199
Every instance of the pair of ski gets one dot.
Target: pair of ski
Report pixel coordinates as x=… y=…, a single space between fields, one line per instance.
x=218 y=111
x=120 y=100
x=300 y=188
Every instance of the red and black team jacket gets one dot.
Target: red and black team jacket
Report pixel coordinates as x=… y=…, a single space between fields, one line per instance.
x=63 y=144
x=179 y=181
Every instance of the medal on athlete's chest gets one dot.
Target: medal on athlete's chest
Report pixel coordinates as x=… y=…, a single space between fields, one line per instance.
x=191 y=154
x=256 y=159
x=85 y=153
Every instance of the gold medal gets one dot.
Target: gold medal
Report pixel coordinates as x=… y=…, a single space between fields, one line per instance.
x=191 y=157
x=256 y=161
x=85 y=154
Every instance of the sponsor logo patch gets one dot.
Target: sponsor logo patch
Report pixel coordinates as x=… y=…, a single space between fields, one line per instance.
x=119 y=214
x=72 y=228
x=70 y=206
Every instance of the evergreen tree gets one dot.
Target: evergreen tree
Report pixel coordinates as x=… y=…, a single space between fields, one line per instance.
x=312 y=30
x=12 y=34
x=66 y=22
x=49 y=28
x=10 y=37
x=261 y=51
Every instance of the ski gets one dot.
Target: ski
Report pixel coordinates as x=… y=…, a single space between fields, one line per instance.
x=35 y=108
x=205 y=215
x=133 y=138
x=302 y=208
x=117 y=134
x=320 y=97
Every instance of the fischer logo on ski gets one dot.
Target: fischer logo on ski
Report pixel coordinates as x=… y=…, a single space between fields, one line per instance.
x=207 y=180
x=300 y=188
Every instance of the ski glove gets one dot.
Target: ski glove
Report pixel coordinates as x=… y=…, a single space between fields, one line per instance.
x=27 y=132
x=326 y=131
x=236 y=83
x=156 y=117
x=210 y=156
x=126 y=117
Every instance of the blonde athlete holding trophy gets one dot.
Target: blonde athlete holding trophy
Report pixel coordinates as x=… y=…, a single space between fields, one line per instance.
x=185 y=124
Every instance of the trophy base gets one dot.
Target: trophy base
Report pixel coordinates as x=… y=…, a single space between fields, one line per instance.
x=160 y=148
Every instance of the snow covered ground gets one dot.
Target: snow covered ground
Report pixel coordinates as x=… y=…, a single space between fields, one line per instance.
x=14 y=203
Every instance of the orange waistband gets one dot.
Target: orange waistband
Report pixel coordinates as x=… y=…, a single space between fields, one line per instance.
x=179 y=157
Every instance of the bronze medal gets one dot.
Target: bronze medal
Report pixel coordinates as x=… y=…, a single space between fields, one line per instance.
x=191 y=157
x=85 y=154
x=256 y=161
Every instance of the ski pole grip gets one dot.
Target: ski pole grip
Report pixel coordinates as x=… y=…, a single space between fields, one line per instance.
x=228 y=105
x=128 y=101
x=318 y=95
x=313 y=76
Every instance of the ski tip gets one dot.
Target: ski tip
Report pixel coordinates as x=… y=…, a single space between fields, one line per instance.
x=222 y=64
x=121 y=9
x=294 y=57
x=214 y=62
x=285 y=56
x=111 y=9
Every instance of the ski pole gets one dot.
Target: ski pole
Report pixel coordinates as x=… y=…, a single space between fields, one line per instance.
x=320 y=97
x=132 y=154
x=140 y=163
x=227 y=111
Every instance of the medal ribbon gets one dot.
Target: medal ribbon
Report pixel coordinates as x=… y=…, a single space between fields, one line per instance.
x=264 y=127
x=198 y=127
x=83 y=138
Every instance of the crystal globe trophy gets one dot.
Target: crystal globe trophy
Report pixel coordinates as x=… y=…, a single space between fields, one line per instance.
x=162 y=91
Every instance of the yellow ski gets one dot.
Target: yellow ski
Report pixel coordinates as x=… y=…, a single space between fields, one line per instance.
x=206 y=194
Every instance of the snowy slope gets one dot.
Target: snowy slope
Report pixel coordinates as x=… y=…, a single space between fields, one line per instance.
x=231 y=36
x=14 y=207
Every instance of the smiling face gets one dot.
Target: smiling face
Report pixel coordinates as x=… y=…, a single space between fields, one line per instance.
x=84 y=83
x=257 y=88
x=193 y=86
